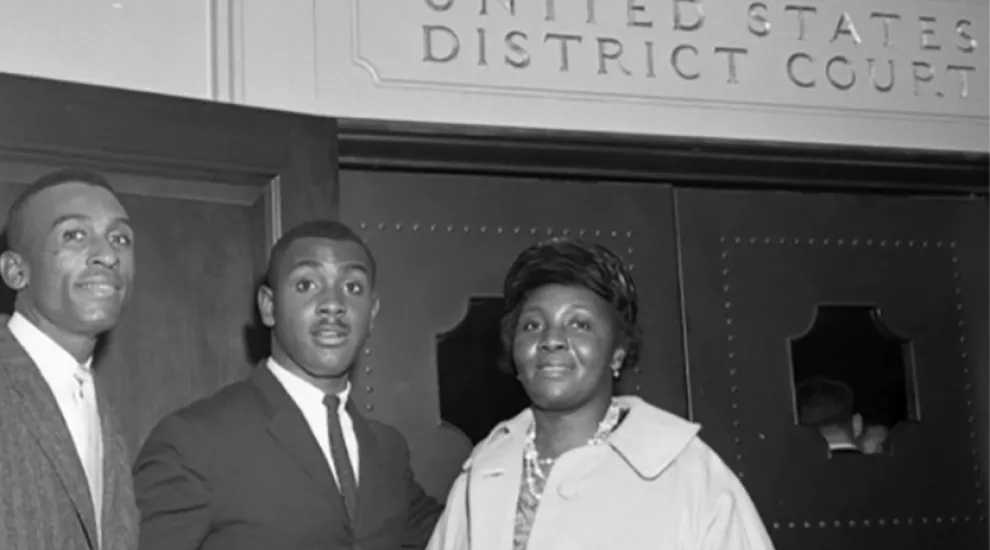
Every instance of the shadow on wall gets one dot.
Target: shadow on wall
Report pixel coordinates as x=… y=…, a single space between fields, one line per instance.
x=475 y=395
x=6 y=294
x=257 y=337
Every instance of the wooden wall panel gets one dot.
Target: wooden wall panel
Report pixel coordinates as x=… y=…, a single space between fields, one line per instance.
x=183 y=335
x=210 y=187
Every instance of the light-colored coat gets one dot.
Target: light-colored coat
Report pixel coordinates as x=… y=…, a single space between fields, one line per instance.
x=44 y=497
x=654 y=485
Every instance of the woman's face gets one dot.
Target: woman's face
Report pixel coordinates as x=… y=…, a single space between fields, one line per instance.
x=564 y=347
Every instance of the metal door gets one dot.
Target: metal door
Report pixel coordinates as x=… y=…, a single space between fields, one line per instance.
x=759 y=269
x=443 y=244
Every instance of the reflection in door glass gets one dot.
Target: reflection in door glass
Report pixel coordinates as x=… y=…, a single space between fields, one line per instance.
x=475 y=395
x=854 y=379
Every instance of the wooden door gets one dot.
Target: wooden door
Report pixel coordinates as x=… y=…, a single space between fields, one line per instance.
x=443 y=244
x=776 y=284
x=208 y=188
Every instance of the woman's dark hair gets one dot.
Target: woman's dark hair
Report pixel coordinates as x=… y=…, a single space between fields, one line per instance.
x=572 y=262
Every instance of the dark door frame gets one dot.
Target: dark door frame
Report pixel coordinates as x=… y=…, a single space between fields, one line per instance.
x=691 y=162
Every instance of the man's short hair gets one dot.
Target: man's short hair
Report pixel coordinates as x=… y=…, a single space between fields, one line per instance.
x=16 y=220
x=320 y=229
x=824 y=402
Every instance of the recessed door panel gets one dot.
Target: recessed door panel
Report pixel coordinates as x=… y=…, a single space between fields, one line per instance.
x=780 y=286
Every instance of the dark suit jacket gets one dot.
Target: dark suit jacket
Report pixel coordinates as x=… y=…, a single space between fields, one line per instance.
x=241 y=470
x=44 y=497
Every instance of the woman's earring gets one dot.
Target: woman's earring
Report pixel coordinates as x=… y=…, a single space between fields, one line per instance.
x=615 y=373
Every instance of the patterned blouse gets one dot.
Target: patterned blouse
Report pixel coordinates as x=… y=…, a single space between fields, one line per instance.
x=526 y=511
x=532 y=485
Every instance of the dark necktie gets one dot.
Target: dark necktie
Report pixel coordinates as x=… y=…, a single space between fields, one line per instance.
x=341 y=461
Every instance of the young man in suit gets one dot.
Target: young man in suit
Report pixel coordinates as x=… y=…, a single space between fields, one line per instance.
x=284 y=459
x=65 y=482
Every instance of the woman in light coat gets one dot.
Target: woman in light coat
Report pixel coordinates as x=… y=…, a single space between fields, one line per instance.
x=582 y=468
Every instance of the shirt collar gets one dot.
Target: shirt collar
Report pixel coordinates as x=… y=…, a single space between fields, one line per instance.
x=50 y=357
x=842 y=446
x=302 y=391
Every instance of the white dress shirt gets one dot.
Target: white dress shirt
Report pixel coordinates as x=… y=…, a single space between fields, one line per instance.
x=75 y=393
x=309 y=399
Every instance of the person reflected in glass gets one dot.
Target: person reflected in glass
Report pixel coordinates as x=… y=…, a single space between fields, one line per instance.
x=828 y=406
x=582 y=467
x=872 y=441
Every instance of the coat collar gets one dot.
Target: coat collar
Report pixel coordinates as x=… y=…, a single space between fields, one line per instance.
x=648 y=440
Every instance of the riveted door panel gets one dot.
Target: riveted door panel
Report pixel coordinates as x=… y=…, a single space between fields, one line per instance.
x=761 y=270
x=443 y=244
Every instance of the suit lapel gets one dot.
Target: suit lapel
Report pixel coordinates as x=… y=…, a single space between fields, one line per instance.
x=290 y=430
x=371 y=483
x=111 y=456
x=44 y=420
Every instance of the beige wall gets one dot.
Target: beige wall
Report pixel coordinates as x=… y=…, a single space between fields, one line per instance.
x=766 y=70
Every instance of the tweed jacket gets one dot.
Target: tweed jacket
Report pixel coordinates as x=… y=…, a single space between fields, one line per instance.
x=45 y=502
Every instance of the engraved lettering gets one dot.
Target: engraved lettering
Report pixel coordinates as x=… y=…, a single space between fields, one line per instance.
x=758 y=22
x=453 y=44
x=632 y=9
x=609 y=49
x=522 y=59
x=440 y=5
x=733 y=73
x=699 y=16
x=928 y=33
x=675 y=61
x=509 y=5
x=482 y=43
x=650 y=65
x=923 y=72
x=801 y=11
x=885 y=19
x=953 y=74
x=790 y=70
x=831 y=78
x=962 y=71
x=564 y=40
x=845 y=26
x=550 y=10
x=968 y=44
x=873 y=75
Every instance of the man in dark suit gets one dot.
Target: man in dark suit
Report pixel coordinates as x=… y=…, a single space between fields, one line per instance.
x=65 y=480
x=284 y=460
